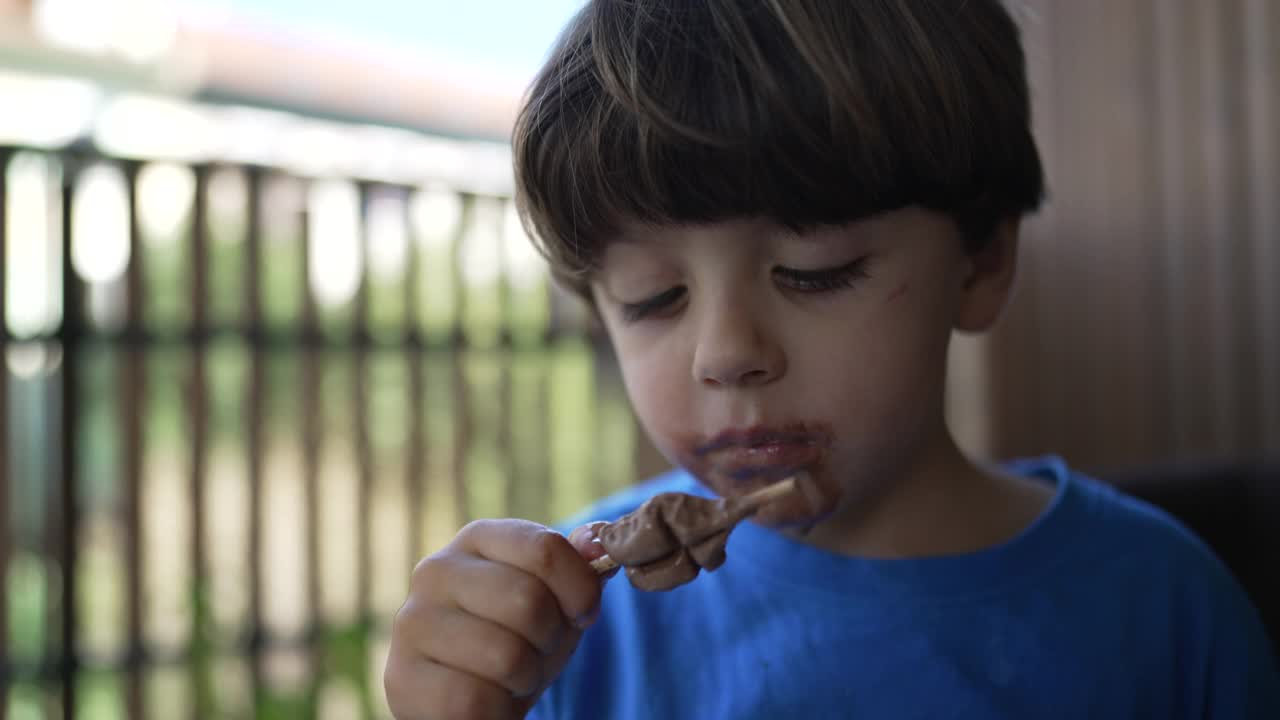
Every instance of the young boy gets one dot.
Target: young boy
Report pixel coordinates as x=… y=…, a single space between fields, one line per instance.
x=781 y=210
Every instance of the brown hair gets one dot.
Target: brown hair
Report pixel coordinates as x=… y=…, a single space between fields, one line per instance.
x=807 y=112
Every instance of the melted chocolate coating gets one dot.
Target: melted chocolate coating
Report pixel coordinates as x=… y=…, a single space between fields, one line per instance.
x=667 y=540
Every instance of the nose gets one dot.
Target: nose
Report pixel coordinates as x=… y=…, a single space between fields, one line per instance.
x=735 y=349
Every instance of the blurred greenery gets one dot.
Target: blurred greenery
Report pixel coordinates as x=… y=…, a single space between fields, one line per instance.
x=283 y=278
x=228 y=225
x=100 y=450
x=572 y=424
x=28 y=591
x=98 y=694
x=27 y=701
x=529 y=429
x=167 y=278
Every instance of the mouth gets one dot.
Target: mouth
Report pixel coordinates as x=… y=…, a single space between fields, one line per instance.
x=757 y=438
x=762 y=453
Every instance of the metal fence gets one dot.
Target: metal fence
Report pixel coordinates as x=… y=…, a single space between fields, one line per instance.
x=236 y=405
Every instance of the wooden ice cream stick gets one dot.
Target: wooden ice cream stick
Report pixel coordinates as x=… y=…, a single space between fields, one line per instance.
x=748 y=503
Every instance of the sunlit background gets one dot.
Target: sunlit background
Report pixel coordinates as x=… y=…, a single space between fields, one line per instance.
x=271 y=331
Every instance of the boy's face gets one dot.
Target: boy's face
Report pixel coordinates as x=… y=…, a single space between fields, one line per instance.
x=750 y=352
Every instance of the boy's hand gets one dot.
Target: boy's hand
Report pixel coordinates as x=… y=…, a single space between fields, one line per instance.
x=491 y=620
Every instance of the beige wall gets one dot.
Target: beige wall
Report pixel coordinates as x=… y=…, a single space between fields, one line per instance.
x=1147 y=324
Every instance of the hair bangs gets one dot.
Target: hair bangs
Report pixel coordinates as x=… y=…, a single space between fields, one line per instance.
x=801 y=111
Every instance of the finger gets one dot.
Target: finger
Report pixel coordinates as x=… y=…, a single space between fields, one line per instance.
x=507 y=596
x=421 y=689
x=554 y=665
x=458 y=694
x=586 y=540
x=485 y=649
x=541 y=552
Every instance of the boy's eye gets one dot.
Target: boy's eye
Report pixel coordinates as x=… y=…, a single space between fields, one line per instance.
x=632 y=312
x=809 y=281
x=824 y=280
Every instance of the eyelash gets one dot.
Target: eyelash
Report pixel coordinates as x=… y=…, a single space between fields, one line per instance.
x=826 y=280
x=634 y=312
x=804 y=281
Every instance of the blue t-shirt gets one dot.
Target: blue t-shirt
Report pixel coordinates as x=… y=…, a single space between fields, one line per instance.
x=1105 y=607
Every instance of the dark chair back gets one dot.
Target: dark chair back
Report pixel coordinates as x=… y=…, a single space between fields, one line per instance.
x=1235 y=509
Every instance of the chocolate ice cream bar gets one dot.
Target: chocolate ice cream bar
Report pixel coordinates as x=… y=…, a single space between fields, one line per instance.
x=667 y=540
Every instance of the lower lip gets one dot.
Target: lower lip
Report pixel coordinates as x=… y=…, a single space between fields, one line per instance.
x=771 y=460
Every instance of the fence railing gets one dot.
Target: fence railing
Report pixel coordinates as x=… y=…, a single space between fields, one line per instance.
x=236 y=405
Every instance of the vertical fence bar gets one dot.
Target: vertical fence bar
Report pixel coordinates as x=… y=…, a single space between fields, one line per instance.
x=360 y=399
x=505 y=446
x=70 y=338
x=415 y=443
x=132 y=400
x=6 y=541
x=311 y=408
x=50 y=661
x=254 y=427
x=199 y=408
x=458 y=347
x=507 y=358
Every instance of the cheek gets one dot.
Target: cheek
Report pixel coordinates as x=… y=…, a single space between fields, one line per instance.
x=882 y=377
x=658 y=388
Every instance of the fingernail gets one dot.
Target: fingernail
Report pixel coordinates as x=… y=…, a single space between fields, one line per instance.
x=582 y=535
